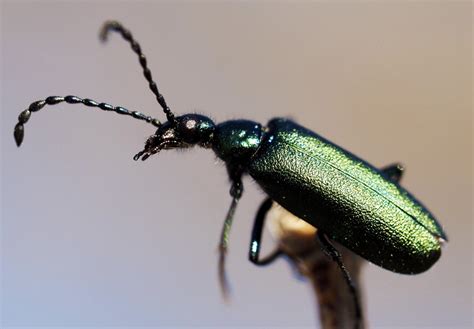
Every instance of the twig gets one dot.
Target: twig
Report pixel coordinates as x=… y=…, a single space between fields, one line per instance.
x=297 y=239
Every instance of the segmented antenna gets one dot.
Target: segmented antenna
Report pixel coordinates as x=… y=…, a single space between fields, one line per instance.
x=53 y=100
x=127 y=35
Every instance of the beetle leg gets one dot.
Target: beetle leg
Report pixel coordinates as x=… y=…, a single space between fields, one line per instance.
x=236 y=192
x=394 y=171
x=255 y=240
x=332 y=252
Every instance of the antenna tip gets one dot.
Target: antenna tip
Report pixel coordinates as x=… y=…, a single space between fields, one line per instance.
x=104 y=31
x=18 y=133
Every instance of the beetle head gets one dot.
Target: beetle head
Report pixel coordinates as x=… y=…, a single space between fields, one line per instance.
x=187 y=130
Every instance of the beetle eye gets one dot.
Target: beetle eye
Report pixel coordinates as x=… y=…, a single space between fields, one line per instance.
x=194 y=129
x=190 y=124
x=188 y=131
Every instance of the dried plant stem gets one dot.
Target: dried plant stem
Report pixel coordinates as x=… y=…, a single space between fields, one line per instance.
x=298 y=241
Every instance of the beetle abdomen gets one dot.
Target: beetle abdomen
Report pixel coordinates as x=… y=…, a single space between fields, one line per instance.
x=346 y=198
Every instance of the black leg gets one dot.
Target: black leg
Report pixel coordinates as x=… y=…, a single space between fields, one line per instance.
x=394 y=172
x=236 y=192
x=255 y=240
x=332 y=252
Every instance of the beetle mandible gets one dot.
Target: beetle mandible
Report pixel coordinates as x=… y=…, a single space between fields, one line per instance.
x=346 y=198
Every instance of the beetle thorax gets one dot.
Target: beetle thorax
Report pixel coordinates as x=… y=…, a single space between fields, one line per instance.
x=236 y=141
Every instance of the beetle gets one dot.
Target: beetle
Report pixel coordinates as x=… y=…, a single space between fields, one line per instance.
x=349 y=200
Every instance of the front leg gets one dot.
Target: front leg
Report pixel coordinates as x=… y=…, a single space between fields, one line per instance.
x=236 y=191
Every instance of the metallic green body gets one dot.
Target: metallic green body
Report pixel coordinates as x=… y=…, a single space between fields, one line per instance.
x=345 y=197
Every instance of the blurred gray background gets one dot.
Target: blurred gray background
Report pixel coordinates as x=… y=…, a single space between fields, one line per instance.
x=92 y=238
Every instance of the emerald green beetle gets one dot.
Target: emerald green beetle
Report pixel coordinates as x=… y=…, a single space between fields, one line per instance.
x=346 y=198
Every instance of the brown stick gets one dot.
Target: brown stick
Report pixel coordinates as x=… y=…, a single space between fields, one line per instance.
x=297 y=239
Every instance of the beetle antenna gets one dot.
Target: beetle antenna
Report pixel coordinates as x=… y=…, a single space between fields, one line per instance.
x=53 y=100
x=127 y=35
